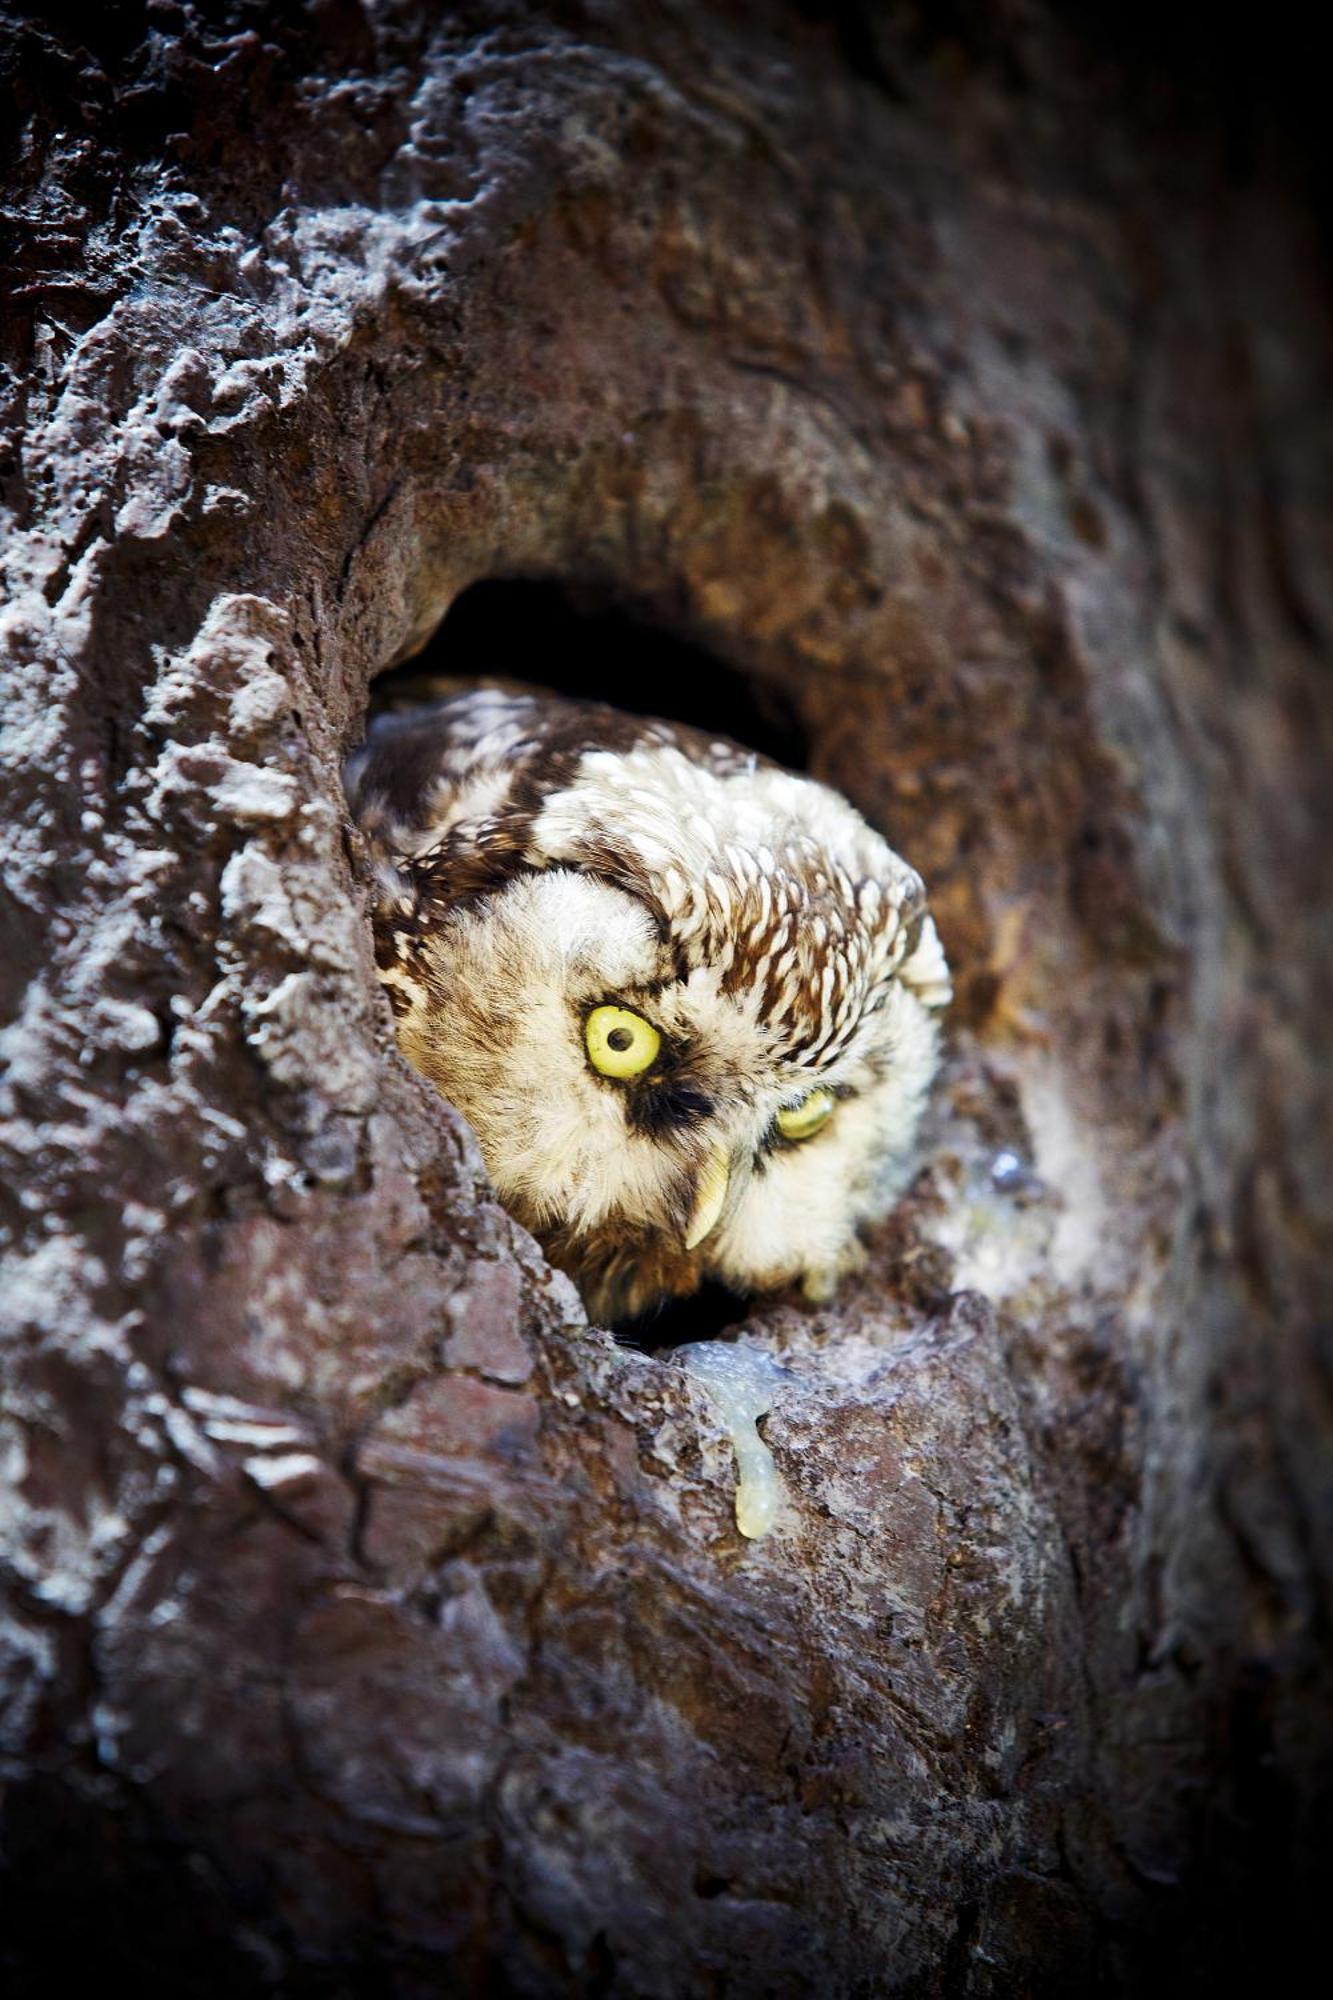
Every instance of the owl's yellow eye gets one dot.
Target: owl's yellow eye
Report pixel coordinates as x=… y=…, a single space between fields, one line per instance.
x=620 y=1043
x=803 y=1120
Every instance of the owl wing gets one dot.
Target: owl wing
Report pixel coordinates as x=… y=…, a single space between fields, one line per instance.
x=478 y=767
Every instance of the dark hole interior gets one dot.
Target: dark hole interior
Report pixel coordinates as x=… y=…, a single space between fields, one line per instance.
x=581 y=640
x=713 y=1310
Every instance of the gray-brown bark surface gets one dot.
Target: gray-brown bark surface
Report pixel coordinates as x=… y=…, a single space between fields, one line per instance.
x=372 y=1623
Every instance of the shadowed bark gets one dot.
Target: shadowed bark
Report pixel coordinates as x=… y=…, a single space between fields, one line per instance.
x=372 y=1623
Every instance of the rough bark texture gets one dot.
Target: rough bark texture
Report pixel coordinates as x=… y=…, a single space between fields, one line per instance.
x=372 y=1623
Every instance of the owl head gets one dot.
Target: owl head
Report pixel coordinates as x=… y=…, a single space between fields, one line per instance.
x=687 y=1001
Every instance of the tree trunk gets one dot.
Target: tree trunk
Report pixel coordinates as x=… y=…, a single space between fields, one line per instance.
x=373 y=1624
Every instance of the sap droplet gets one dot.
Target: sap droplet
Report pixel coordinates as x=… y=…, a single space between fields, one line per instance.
x=742 y=1384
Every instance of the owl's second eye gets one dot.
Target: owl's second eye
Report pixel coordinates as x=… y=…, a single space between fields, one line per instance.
x=803 y=1120
x=620 y=1043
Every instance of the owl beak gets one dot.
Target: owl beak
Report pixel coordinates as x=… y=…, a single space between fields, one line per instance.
x=710 y=1193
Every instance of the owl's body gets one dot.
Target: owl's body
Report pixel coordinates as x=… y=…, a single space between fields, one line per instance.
x=625 y=950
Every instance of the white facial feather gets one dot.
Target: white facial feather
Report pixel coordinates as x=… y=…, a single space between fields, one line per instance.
x=543 y=858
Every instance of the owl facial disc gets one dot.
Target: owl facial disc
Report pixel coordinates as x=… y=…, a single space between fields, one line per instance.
x=688 y=1002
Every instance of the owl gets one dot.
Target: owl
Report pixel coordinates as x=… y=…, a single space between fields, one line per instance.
x=687 y=1001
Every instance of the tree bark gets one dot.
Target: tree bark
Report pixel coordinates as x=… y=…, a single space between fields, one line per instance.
x=372 y=1623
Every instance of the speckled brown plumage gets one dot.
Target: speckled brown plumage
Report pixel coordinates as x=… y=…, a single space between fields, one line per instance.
x=538 y=858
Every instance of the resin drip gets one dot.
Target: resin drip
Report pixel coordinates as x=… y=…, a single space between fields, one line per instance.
x=742 y=1385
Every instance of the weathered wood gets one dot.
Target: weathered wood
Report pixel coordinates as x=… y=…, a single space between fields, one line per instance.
x=371 y=1623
